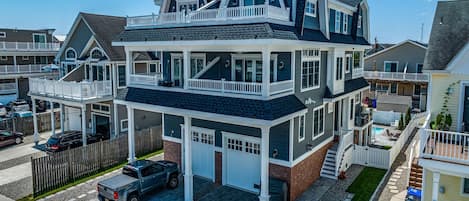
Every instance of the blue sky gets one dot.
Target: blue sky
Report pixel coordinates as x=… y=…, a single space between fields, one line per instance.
x=391 y=20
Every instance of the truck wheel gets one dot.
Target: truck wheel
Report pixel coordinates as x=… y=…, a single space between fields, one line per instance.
x=18 y=140
x=132 y=197
x=173 y=182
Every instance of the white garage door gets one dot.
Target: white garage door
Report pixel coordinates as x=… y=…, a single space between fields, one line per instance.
x=203 y=155
x=243 y=163
x=73 y=118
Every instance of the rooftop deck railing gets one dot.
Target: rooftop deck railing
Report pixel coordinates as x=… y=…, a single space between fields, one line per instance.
x=32 y=68
x=29 y=46
x=397 y=76
x=70 y=90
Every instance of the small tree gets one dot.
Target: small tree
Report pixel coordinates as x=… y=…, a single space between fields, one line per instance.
x=401 y=125
x=407 y=116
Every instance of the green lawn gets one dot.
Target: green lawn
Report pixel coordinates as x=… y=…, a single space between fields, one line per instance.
x=366 y=183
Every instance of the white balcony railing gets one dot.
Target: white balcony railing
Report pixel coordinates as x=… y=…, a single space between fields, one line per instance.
x=28 y=46
x=357 y=72
x=233 y=13
x=223 y=86
x=397 y=76
x=7 y=88
x=281 y=87
x=346 y=139
x=149 y=80
x=445 y=146
x=32 y=68
x=70 y=90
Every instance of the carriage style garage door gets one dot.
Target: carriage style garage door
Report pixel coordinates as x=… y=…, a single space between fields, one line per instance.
x=243 y=162
x=203 y=155
x=73 y=118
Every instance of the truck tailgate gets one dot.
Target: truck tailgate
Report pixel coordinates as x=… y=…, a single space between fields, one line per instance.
x=117 y=182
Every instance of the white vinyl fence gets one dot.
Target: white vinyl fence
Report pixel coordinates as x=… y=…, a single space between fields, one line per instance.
x=385 y=117
x=381 y=158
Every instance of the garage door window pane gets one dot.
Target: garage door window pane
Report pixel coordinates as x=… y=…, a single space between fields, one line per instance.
x=235 y=144
x=195 y=136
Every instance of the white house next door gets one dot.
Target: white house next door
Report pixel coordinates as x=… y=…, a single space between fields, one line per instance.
x=243 y=162
x=203 y=155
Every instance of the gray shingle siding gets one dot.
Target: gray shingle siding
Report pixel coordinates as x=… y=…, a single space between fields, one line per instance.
x=406 y=54
x=78 y=40
x=172 y=125
x=279 y=140
x=22 y=35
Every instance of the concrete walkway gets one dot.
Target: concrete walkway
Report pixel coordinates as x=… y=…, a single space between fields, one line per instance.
x=325 y=189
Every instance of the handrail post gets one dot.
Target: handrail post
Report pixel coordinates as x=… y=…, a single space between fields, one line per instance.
x=223 y=85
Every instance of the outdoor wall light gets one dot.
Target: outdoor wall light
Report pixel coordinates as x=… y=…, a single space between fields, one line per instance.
x=281 y=65
x=275 y=153
x=309 y=147
x=227 y=63
x=442 y=189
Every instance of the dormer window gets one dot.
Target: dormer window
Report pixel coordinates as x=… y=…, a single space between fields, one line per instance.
x=338 y=16
x=96 y=54
x=70 y=54
x=187 y=5
x=310 y=8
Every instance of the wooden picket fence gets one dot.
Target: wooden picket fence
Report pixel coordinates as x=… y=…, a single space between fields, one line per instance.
x=58 y=169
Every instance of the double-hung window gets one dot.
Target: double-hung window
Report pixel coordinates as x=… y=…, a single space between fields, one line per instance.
x=339 y=68
x=197 y=64
x=310 y=8
x=301 y=128
x=338 y=17
x=310 y=69
x=356 y=59
x=345 y=24
x=318 y=122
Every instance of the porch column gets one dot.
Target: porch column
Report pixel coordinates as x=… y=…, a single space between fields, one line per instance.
x=265 y=72
x=131 y=133
x=188 y=180
x=17 y=88
x=52 y=118
x=186 y=67
x=128 y=60
x=62 y=115
x=264 y=195
x=36 y=133
x=436 y=186
x=293 y=64
x=115 y=120
x=83 y=124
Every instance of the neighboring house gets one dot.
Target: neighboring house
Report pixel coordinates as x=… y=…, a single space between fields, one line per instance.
x=249 y=90
x=92 y=70
x=24 y=54
x=444 y=152
x=397 y=70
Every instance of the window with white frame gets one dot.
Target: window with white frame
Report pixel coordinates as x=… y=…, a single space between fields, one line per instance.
x=359 y=25
x=358 y=98
x=3 y=58
x=345 y=24
x=465 y=186
x=3 y=34
x=419 y=68
x=357 y=59
x=318 y=122
x=301 y=128
x=391 y=66
x=101 y=108
x=25 y=58
x=96 y=54
x=352 y=107
x=124 y=124
x=310 y=69
x=338 y=17
x=348 y=62
x=310 y=8
x=393 y=88
x=121 y=75
x=339 y=68
x=197 y=64
x=70 y=54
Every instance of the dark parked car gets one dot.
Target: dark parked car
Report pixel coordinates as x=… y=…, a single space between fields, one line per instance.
x=9 y=138
x=137 y=179
x=68 y=139
x=18 y=106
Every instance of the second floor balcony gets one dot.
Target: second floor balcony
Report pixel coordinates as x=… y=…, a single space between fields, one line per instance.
x=29 y=46
x=211 y=15
x=445 y=146
x=76 y=91
x=27 y=69
x=397 y=76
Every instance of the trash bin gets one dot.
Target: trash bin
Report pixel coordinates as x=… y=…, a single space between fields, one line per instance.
x=373 y=103
x=278 y=190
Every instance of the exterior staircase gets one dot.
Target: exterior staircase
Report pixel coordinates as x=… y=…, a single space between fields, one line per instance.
x=328 y=169
x=415 y=177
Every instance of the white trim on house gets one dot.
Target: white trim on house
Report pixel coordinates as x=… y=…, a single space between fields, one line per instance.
x=291 y=138
x=453 y=169
x=459 y=57
x=3 y=58
x=394 y=46
x=96 y=49
x=462 y=85
x=337 y=5
x=3 y=34
x=93 y=121
x=40 y=34
x=68 y=58
x=122 y=128
x=391 y=62
x=172 y=139
x=462 y=188
x=345 y=24
x=314 y=12
x=315 y=57
x=100 y=110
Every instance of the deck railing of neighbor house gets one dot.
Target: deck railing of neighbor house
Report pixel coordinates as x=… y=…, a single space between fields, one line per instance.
x=71 y=90
x=445 y=146
x=233 y=13
x=398 y=76
x=7 y=88
x=28 y=46
x=357 y=72
x=32 y=68
x=150 y=80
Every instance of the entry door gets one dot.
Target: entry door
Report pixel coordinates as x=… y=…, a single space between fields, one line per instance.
x=203 y=155
x=39 y=40
x=176 y=71
x=102 y=126
x=243 y=163
x=466 y=109
x=73 y=118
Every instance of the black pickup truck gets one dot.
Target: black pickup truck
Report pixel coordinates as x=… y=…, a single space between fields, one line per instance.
x=138 y=178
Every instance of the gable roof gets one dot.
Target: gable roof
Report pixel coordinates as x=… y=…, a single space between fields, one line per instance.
x=353 y=3
x=234 y=32
x=26 y=35
x=240 y=107
x=377 y=47
x=104 y=29
x=418 y=44
x=450 y=33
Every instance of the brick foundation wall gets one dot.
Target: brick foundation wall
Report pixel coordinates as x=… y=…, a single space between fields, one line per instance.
x=172 y=151
x=218 y=168
x=307 y=172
